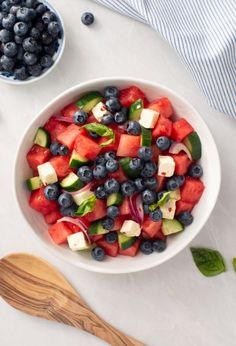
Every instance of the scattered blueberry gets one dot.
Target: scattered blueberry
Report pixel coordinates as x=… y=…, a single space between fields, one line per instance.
x=80 y=117
x=111 y=237
x=8 y=21
x=195 y=170
x=108 y=223
x=113 y=211
x=63 y=150
x=65 y=200
x=113 y=104
x=121 y=116
x=145 y=153
x=54 y=148
x=185 y=217
x=136 y=164
x=133 y=128
x=148 y=196
x=30 y=58
x=21 y=28
x=70 y=211
x=163 y=143
x=51 y=192
x=112 y=165
x=149 y=169
x=146 y=247
x=159 y=245
x=151 y=183
x=128 y=188
x=111 y=91
x=109 y=155
x=111 y=186
x=107 y=119
x=140 y=184
x=99 y=172
x=98 y=253
x=85 y=174
x=10 y=49
x=156 y=215
x=100 y=192
x=87 y=18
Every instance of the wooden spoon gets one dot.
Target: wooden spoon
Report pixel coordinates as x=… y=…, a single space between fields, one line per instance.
x=32 y=285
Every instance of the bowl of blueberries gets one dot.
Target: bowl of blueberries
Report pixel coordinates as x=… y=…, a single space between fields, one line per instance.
x=32 y=40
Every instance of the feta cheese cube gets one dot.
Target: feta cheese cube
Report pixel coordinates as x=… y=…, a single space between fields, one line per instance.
x=47 y=173
x=77 y=241
x=166 y=166
x=99 y=110
x=148 y=118
x=168 y=209
x=80 y=197
x=131 y=228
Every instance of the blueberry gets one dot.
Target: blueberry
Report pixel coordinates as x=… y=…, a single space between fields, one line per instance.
x=51 y=48
x=107 y=119
x=146 y=209
x=18 y=39
x=21 y=28
x=6 y=6
x=35 y=33
x=156 y=215
x=113 y=104
x=54 y=148
x=63 y=150
x=100 y=192
x=99 y=172
x=48 y=17
x=31 y=3
x=80 y=117
x=163 y=143
x=195 y=170
x=20 y=53
x=87 y=18
x=160 y=194
x=133 y=128
x=23 y=14
x=35 y=70
x=100 y=160
x=14 y=2
x=148 y=196
x=149 y=169
x=98 y=253
x=128 y=188
x=109 y=155
x=113 y=211
x=146 y=247
x=46 y=61
x=159 y=245
x=111 y=237
x=108 y=223
x=39 y=24
x=5 y=36
x=112 y=165
x=30 y=58
x=51 y=192
x=21 y=73
x=145 y=153
x=41 y=8
x=121 y=116
x=85 y=174
x=135 y=164
x=140 y=184
x=30 y=45
x=7 y=63
x=172 y=184
x=93 y=135
x=10 y=49
x=111 y=91
x=151 y=183
x=8 y=21
x=65 y=200
x=180 y=179
x=185 y=217
x=14 y=9
x=70 y=211
x=46 y=38
x=111 y=186
x=54 y=28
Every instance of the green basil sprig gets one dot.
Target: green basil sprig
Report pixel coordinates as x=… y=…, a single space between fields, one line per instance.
x=209 y=262
x=103 y=131
x=165 y=198
x=86 y=206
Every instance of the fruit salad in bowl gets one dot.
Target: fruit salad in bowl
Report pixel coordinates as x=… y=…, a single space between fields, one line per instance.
x=116 y=173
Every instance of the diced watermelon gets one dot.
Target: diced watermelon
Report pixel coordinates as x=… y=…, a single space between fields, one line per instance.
x=131 y=251
x=163 y=127
x=181 y=129
x=59 y=232
x=192 y=190
x=161 y=181
x=119 y=175
x=91 y=119
x=152 y=229
x=183 y=206
x=97 y=237
x=118 y=223
x=124 y=208
x=98 y=213
x=86 y=147
x=110 y=249
x=54 y=127
x=61 y=165
x=156 y=152
x=39 y=202
x=52 y=217
x=68 y=136
x=128 y=145
x=110 y=147
x=182 y=163
x=69 y=110
x=163 y=106
x=37 y=156
x=131 y=94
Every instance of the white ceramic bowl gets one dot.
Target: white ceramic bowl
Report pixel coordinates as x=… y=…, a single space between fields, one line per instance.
x=56 y=57
x=121 y=264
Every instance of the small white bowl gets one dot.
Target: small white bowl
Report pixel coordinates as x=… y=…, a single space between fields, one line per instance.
x=56 y=57
x=211 y=178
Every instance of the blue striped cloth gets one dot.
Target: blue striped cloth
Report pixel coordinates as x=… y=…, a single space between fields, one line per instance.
x=203 y=32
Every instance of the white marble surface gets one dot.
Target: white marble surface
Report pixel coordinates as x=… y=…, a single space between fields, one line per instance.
x=169 y=305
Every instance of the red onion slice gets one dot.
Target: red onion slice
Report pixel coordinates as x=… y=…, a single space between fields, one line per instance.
x=77 y=222
x=65 y=119
x=176 y=148
x=139 y=208
x=133 y=209
x=87 y=187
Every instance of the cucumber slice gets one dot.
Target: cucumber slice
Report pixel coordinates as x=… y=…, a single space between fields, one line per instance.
x=34 y=183
x=76 y=160
x=96 y=228
x=124 y=162
x=146 y=137
x=171 y=226
x=88 y=101
x=175 y=194
x=193 y=143
x=125 y=241
x=115 y=198
x=71 y=183
x=42 y=138
x=135 y=110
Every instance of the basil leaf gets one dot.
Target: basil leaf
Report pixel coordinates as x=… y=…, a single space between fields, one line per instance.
x=209 y=262
x=234 y=263
x=164 y=199
x=86 y=206
x=103 y=131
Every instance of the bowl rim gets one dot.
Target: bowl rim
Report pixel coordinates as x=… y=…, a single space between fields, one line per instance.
x=145 y=266
x=50 y=69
